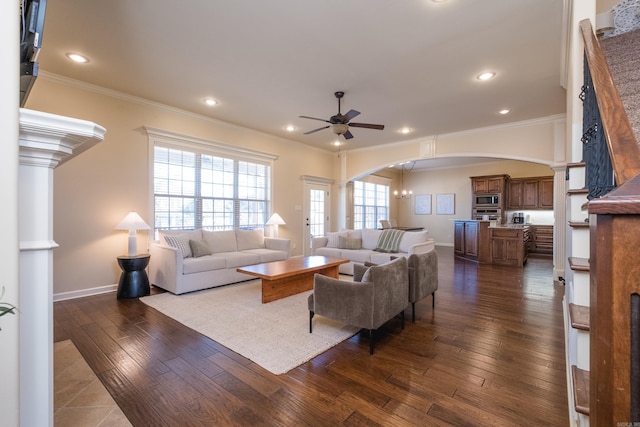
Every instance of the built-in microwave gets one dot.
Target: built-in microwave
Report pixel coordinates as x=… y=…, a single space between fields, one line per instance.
x=486 y=200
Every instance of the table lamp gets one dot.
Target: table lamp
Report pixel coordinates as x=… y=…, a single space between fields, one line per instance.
x=275 y=220
x=132 y=222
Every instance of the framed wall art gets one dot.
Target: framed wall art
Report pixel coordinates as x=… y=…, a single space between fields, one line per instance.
x=446 y=204
x=423 y=204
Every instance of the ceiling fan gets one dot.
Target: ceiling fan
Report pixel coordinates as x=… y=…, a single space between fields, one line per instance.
x=341 y=122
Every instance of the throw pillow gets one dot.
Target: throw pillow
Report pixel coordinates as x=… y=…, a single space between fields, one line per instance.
x=347 y=243
x=180 y=242
x=199 y=248
x=334 y=238
x=389 y=241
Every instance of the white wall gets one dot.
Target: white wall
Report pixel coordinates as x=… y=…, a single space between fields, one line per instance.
x=9 y=87
x=94 y=191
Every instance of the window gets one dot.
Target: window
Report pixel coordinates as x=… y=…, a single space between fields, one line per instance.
x=370 y=204
x=195 y=190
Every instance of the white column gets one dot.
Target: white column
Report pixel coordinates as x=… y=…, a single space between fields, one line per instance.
x=45 y=141
x=560 y=221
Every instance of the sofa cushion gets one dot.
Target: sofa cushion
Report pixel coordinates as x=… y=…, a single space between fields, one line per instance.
x=239 y=259
x=356 y=255
x=411 y=238
x=180 y=242
x=250 y=239
x=348 y=243
x=220 y=241
x=330 y=252
x=204 y=263
x=268 y=255
x=370 y=238
x=199 y=248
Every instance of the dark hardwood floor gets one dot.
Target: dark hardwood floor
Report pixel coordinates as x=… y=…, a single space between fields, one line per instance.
x=490 y=354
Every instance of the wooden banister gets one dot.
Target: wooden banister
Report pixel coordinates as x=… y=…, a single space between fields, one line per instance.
x=623 y=146
x=614 y=226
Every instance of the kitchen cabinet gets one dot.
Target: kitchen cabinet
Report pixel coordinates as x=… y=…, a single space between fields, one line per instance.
x=471 y=240
x=530 y=193
x=490 y=184
x=509 y=245
x=545 y=193
x=542 y=239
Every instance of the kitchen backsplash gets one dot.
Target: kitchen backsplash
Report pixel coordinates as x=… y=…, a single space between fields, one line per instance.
x=534 y=217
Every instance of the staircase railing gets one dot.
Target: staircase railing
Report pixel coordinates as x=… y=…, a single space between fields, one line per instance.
x=614 y=222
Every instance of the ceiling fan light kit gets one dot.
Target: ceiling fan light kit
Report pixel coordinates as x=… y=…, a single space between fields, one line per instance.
x=340 y=123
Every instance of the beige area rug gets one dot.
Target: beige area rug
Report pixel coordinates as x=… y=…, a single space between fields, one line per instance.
x=273 y=335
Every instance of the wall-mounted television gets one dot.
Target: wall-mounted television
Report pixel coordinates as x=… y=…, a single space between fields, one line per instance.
x=31 y=27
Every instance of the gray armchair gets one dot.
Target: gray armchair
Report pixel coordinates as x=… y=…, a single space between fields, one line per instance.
x=423 y=278
x=381 y=295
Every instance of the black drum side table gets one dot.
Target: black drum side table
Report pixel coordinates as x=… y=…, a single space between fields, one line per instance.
x=133 y=280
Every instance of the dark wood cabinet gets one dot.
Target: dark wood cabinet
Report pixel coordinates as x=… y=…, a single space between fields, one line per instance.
x=542 y=239
x=530 y=193
x=471 y=240
x=490 y=184
x=545 y=193
x=509 y=246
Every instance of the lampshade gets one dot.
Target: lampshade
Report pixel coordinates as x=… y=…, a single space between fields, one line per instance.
x=276 y=220
x=132 y=221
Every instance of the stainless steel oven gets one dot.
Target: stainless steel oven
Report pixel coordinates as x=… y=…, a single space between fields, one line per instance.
x=486 y=201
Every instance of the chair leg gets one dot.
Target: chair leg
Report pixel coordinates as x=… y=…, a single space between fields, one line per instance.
x=433 y=301
x=413 y=312
x=311 y=313
x=371 y=342
x=402 y=317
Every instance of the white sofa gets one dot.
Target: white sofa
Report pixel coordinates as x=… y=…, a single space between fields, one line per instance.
x=177 y=270
x=358 y=246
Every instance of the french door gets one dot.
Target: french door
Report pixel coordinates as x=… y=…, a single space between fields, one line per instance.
x=316 y=213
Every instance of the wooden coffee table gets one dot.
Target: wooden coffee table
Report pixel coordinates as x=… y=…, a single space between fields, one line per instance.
x=281 y=279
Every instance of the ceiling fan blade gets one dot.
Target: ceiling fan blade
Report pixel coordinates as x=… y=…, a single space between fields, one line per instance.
x=367 y=125
x=314 y=118
x=316 y=130
x=347 y=135
x=351 y=114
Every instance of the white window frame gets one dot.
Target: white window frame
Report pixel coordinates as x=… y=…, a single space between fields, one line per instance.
x=377 y=181
x=171 y=140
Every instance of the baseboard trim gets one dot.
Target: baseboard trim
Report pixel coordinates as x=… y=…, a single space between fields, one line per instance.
x=62 y=296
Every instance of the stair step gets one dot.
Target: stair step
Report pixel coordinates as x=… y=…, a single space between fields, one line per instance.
x=580 y=379
x=579 y=264
x=576 y=165
x=578 y=224
x=579 y=316
x=578 y=191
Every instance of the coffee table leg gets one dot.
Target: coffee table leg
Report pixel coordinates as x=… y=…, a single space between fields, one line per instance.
x=281 y=288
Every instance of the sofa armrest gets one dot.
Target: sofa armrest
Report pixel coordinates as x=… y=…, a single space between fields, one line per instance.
x=278 y=244
x=318 y=242
x=421 y=248
x=165 y=266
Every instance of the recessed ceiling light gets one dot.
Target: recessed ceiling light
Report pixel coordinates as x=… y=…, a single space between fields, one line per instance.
x=77 y=58
x=505 y=111
x=337 y=143
x=290 y=128
x=405 y=131
x=486 y=76
x=210 y=102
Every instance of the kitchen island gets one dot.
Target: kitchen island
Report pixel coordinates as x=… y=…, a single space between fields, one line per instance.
x=484 y=242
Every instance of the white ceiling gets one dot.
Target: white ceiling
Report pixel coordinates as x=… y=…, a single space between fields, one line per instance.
x=401 y=63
